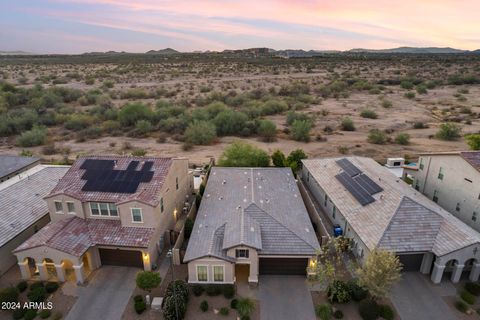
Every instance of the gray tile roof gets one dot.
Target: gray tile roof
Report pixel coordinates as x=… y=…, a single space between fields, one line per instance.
x=258 y=207
x=22 y=204
x=10 y=164
x=390 y=220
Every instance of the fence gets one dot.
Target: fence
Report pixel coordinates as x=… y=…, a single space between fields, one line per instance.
x=177 y=259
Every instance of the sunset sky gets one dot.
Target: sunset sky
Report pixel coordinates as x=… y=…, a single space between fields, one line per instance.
x=76 y=26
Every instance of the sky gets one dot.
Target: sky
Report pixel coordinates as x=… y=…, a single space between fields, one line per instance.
x=77 y=26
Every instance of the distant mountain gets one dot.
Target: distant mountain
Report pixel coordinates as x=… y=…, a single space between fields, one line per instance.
x=15 y=53
x=163 y=51
x=409 y=50
x=476 y=51
x=299 y=53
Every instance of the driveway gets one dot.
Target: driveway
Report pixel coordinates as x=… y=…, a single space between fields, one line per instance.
x=285 y=298
x=106 y=296
x=415 y=297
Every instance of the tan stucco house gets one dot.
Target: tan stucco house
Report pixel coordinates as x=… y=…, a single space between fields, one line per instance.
x=376 y=209
x=107 y=210
x=251 y=221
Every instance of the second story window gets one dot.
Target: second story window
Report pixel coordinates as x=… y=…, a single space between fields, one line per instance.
x=137 y=215
x=326 y=199
x=58 y=207
x=334 y=210
x=103 y=209
x=241 y=253
x=422 y=164
x=474 y=216
x=161 y=205
x=176 y=183
x=441 y=173
x=417 y=184
x=435 y=196
x=457 y=207
x=71 y=207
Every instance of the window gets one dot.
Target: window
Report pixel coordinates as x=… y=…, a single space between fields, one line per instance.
x=71 y=207
x=435 y=196
x=58 y=207
x=417 y=184
x=241 y=253
x=218 y=273
x=334 y=210
x=104 y=209
x=161 y=204
x=113 y=209
x=308 y=176
x=457 y=207
x=326 y=199
x=474 y=216
x=202 y=274
x=440 y=173
x=176 y=183
x=422 y=164
x=94 y=209
x=137 y=215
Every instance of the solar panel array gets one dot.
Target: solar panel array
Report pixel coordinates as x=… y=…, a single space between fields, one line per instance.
x=101 y=175
x=360 y=186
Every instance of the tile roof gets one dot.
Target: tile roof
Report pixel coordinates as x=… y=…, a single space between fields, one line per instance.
x=400 y=219
x=75 y=235
x=22 y=204
x=257 y=207
x=10 y=164
x=147 y=192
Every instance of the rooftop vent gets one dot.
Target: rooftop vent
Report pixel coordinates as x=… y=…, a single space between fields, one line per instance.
x=224 y=181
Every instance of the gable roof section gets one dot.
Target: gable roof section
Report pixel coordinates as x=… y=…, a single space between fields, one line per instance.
x=472 y=157
x=242 y=229
x=10 y=164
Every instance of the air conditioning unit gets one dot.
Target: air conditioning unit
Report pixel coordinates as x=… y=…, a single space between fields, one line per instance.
x=395 y=162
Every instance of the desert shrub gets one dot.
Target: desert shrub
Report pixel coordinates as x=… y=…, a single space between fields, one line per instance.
x=213 y=290
x=386 y=104
x=406 y=85
x=292 y=116
x=419 y=125
x=347 y=124
x=421 y=89
x=273 y=106
x=294 y=159
x=139 y=152
x=461 y=306
x=188 y=227
x=245 y=307
x=369 y=310
x=472 y=287
x=402 y=138
x=89 y=81
x=134 y=93
x=386 y=312
x=204 y=306
x=51 y=287
x=467 y=297
x=224 y=311
x=300 y=130
x=197 y=290
x=324 y=311
x=267 y=130
x=409 y=95
x=448 y=131
x=358 y=292
x=9 y=294
x=279 y=159
x=130 y=113
x=148 y=280
x=77 y=122
x=338 y=314
x=230 y=122
x=19 y=313
x=368 y=113
x=233 y=303
x=22 y=286
x=44 y=314
x=339 y=291
x=241 y=154
x=34 y=137
x=377 y=136
x=200 y=133
x=30 y=314
x=459 y=79
x=37 y=294
x=142 y=127
x=228 y=291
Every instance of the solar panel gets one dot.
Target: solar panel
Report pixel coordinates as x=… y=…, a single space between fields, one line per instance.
x=348 y=167
x=368 y=184
x=362 y=196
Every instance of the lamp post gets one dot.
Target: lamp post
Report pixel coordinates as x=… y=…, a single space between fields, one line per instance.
x=170 y=255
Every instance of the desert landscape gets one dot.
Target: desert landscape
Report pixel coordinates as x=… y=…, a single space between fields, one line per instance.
x=166 y=103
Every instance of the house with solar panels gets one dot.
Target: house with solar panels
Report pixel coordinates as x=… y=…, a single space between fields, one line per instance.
x=376 y=209
x=251 y=222
x=107 y=210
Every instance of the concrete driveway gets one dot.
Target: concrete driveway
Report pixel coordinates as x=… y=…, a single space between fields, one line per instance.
x=415 y=297
x=106 y=295
x=285 y=298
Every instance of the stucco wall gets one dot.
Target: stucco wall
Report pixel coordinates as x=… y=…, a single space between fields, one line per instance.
x=229 y=270
x=252 y=260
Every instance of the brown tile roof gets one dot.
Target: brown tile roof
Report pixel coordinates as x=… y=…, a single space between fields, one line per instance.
x=72 y=183
x=472 y=157
x=75 y=235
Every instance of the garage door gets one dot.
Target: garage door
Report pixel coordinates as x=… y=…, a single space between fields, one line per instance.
x=287 y=266
x=117 y=257
x=411 y=262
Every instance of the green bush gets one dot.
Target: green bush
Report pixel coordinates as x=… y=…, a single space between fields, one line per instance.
x=204 y=306
x=267 y=130
x=347 y=124
x=292 y=116
x=142 y=127
x=22 y=286
x=228 y=291
x=37 y=294
x=130 y=113
x=241 y=154
x=359 y=293
x=181 y=289
x=461 y=306
x=449 y=131
x=386 y=312
x=197 y=290
x=230 y=122
x=213 y=290
x=148 y=280
x=386 y=104
x=421 y=89
x=409 y=95
x=51 y=287
x=9 y=294
x=339 y=291
x=402 y=138
x=44 y=314
x=472 y=287
x=188 y=227
x=37 y=284
x=34 y=137
x=419 y=125
x=30 y=314
x=224 y=311
x=405 y=84
x=245 y=307
x=233 y=303
x=279 y=159
x=369 y=310
x=18 y=313
x=368 y=113
x=138 y=298
x=200 y=133
x=376 y=136
x=323 y=311
x=175 y=300
x=140 y=306
x=300 y=130
x=338 y=314
x=467 y=297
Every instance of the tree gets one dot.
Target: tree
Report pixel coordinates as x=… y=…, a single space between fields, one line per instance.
x=279 y=159
x=175 y=301
x=473 y=141
x=148 y=280
x=294 y=159
x=449 y=131
x=300 y=130
x=380 y=271
x=267 y=130
x=241 y=154
x=200 y=133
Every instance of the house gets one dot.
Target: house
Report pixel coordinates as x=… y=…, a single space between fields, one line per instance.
x=107 y=210
x=251 y=221
x=22 y=208
x=11 y=166
x=451 y=179
x=378 y=210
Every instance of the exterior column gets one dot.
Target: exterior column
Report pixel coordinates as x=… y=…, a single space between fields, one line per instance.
x=60 y=272
x=426 y=263
x=437 y=273
x=475 y=272
x=79 y=273
x=42 y=270
x=457 y=272
x=25 y=270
